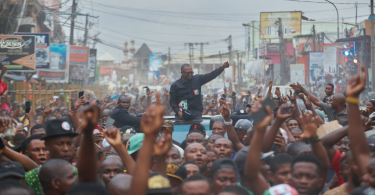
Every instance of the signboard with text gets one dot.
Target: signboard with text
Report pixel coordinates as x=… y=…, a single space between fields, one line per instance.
x=17 y=52
x=59 y=67
x=41 y=49
x=291 y=24
x=79 y=63
x=92 y=64
x=297 y=73
x=316 y=68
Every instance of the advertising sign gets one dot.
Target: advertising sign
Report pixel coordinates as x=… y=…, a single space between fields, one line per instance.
x=273 y=47
x=316 y=59
x=78 y=63
x=155 y=61
x=59 y=68
x=41 y=49
x=297 y=73
x=92 y=64
x=17 y=52
x=291 y=24
x=330 y=60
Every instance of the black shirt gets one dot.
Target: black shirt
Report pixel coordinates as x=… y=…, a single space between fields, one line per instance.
x=123 y=118
x=189 y=93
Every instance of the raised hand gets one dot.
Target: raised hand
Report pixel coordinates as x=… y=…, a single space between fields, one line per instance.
x=5 y=122
x=308 y=103
x=279 y=140
x=291 y=97
x=163 y=144
x=266 y=121
x=225 y=112
x=365 y=113
x=285 y=107
x=356 y=84
x=113 y=136
x=284 y=99
x=270 y=84
x=277 y=92
x=245 y=94
x=90 y=118
x=79 y=103
x=166 y=92
x=296 y=87
x=225 y=65
x=308 y=125
x=30 y=115
x=152 y=120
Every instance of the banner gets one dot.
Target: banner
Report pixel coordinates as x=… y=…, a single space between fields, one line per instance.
x=41 y=49
x=316 y=59
x=59 y=68
x=17 y=52
x=330 y=60
x=78 y=63
x=92 y=64
x=297 y=73
x=291 y=22
x=155 y=61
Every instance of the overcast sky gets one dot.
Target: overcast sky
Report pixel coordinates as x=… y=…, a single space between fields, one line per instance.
x=171 y=23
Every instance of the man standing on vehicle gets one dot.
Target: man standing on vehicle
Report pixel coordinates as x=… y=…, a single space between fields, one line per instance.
x=185 y=93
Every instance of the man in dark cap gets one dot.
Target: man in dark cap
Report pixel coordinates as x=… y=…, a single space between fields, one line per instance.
x=185 y=93
x=12 y=170
x=176 y=175
x=59 y=143
x=121 y=115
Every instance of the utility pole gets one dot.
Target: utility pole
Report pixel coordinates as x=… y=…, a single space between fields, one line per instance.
x=283 y=66
x=86 y=30
x=231 y=56
x=221 y=62
x=356 y=9
x=319 y=42
x=372 y=45
x=74 y=7
x=314 y=35
x=201 y=58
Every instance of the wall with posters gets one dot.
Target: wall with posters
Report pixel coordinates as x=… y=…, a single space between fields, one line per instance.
x=78 y=64
x=330 y=66
x=41 y=49
x=297 y=73
x=59 y=67
x=291 y=24
x=155 y=61
x=316 y=59
x=17 y=52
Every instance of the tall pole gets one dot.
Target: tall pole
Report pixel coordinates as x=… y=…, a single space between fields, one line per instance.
x=169 y=61
x=231 y=56
x=314 y=41
x=283 y=66
x=221 y=62
x=74 y=7
x=372 y=45
x=201 y=59
x=86 y=30
x=338 y=27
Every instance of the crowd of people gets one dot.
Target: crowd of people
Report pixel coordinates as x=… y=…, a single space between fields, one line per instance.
x=125 y=146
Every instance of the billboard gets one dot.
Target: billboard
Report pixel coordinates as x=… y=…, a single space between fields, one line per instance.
x=316 y=59
x=92 y=64
x=59 y=67
x=79 y=63
x=297 y=73
x=41 y=49
x=291 y=24
x=155 y=61
x=17 y=52
x=330 y=60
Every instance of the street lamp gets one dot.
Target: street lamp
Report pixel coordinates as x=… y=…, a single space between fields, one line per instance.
x=338 y=28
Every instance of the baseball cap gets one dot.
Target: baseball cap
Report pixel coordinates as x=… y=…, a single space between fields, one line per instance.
x=58 y=128
x=176 y=171
x=11 y=168
x=266 y=155
x=222 y=163
x=158 y=184
x=135 y=143
x=168 y=123
x=243 y=124
x=126 y=130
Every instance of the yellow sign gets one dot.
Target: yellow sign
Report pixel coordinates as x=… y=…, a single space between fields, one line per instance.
x=291 y=22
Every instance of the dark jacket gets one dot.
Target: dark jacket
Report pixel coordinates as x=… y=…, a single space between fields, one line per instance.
x=191 y=91
x=123 y=118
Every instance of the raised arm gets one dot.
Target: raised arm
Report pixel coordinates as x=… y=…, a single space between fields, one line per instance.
x=330 y=139
x=298 y=87
x=271 y=132
x=269 y=93
x=150 y=125
x=113 y=137
x=358 y=141
x=205 y=78
x=88 y=169
x=25 y=161
x=232 y=135
x=309 y=132
x=255 y=179
x=46 y=113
